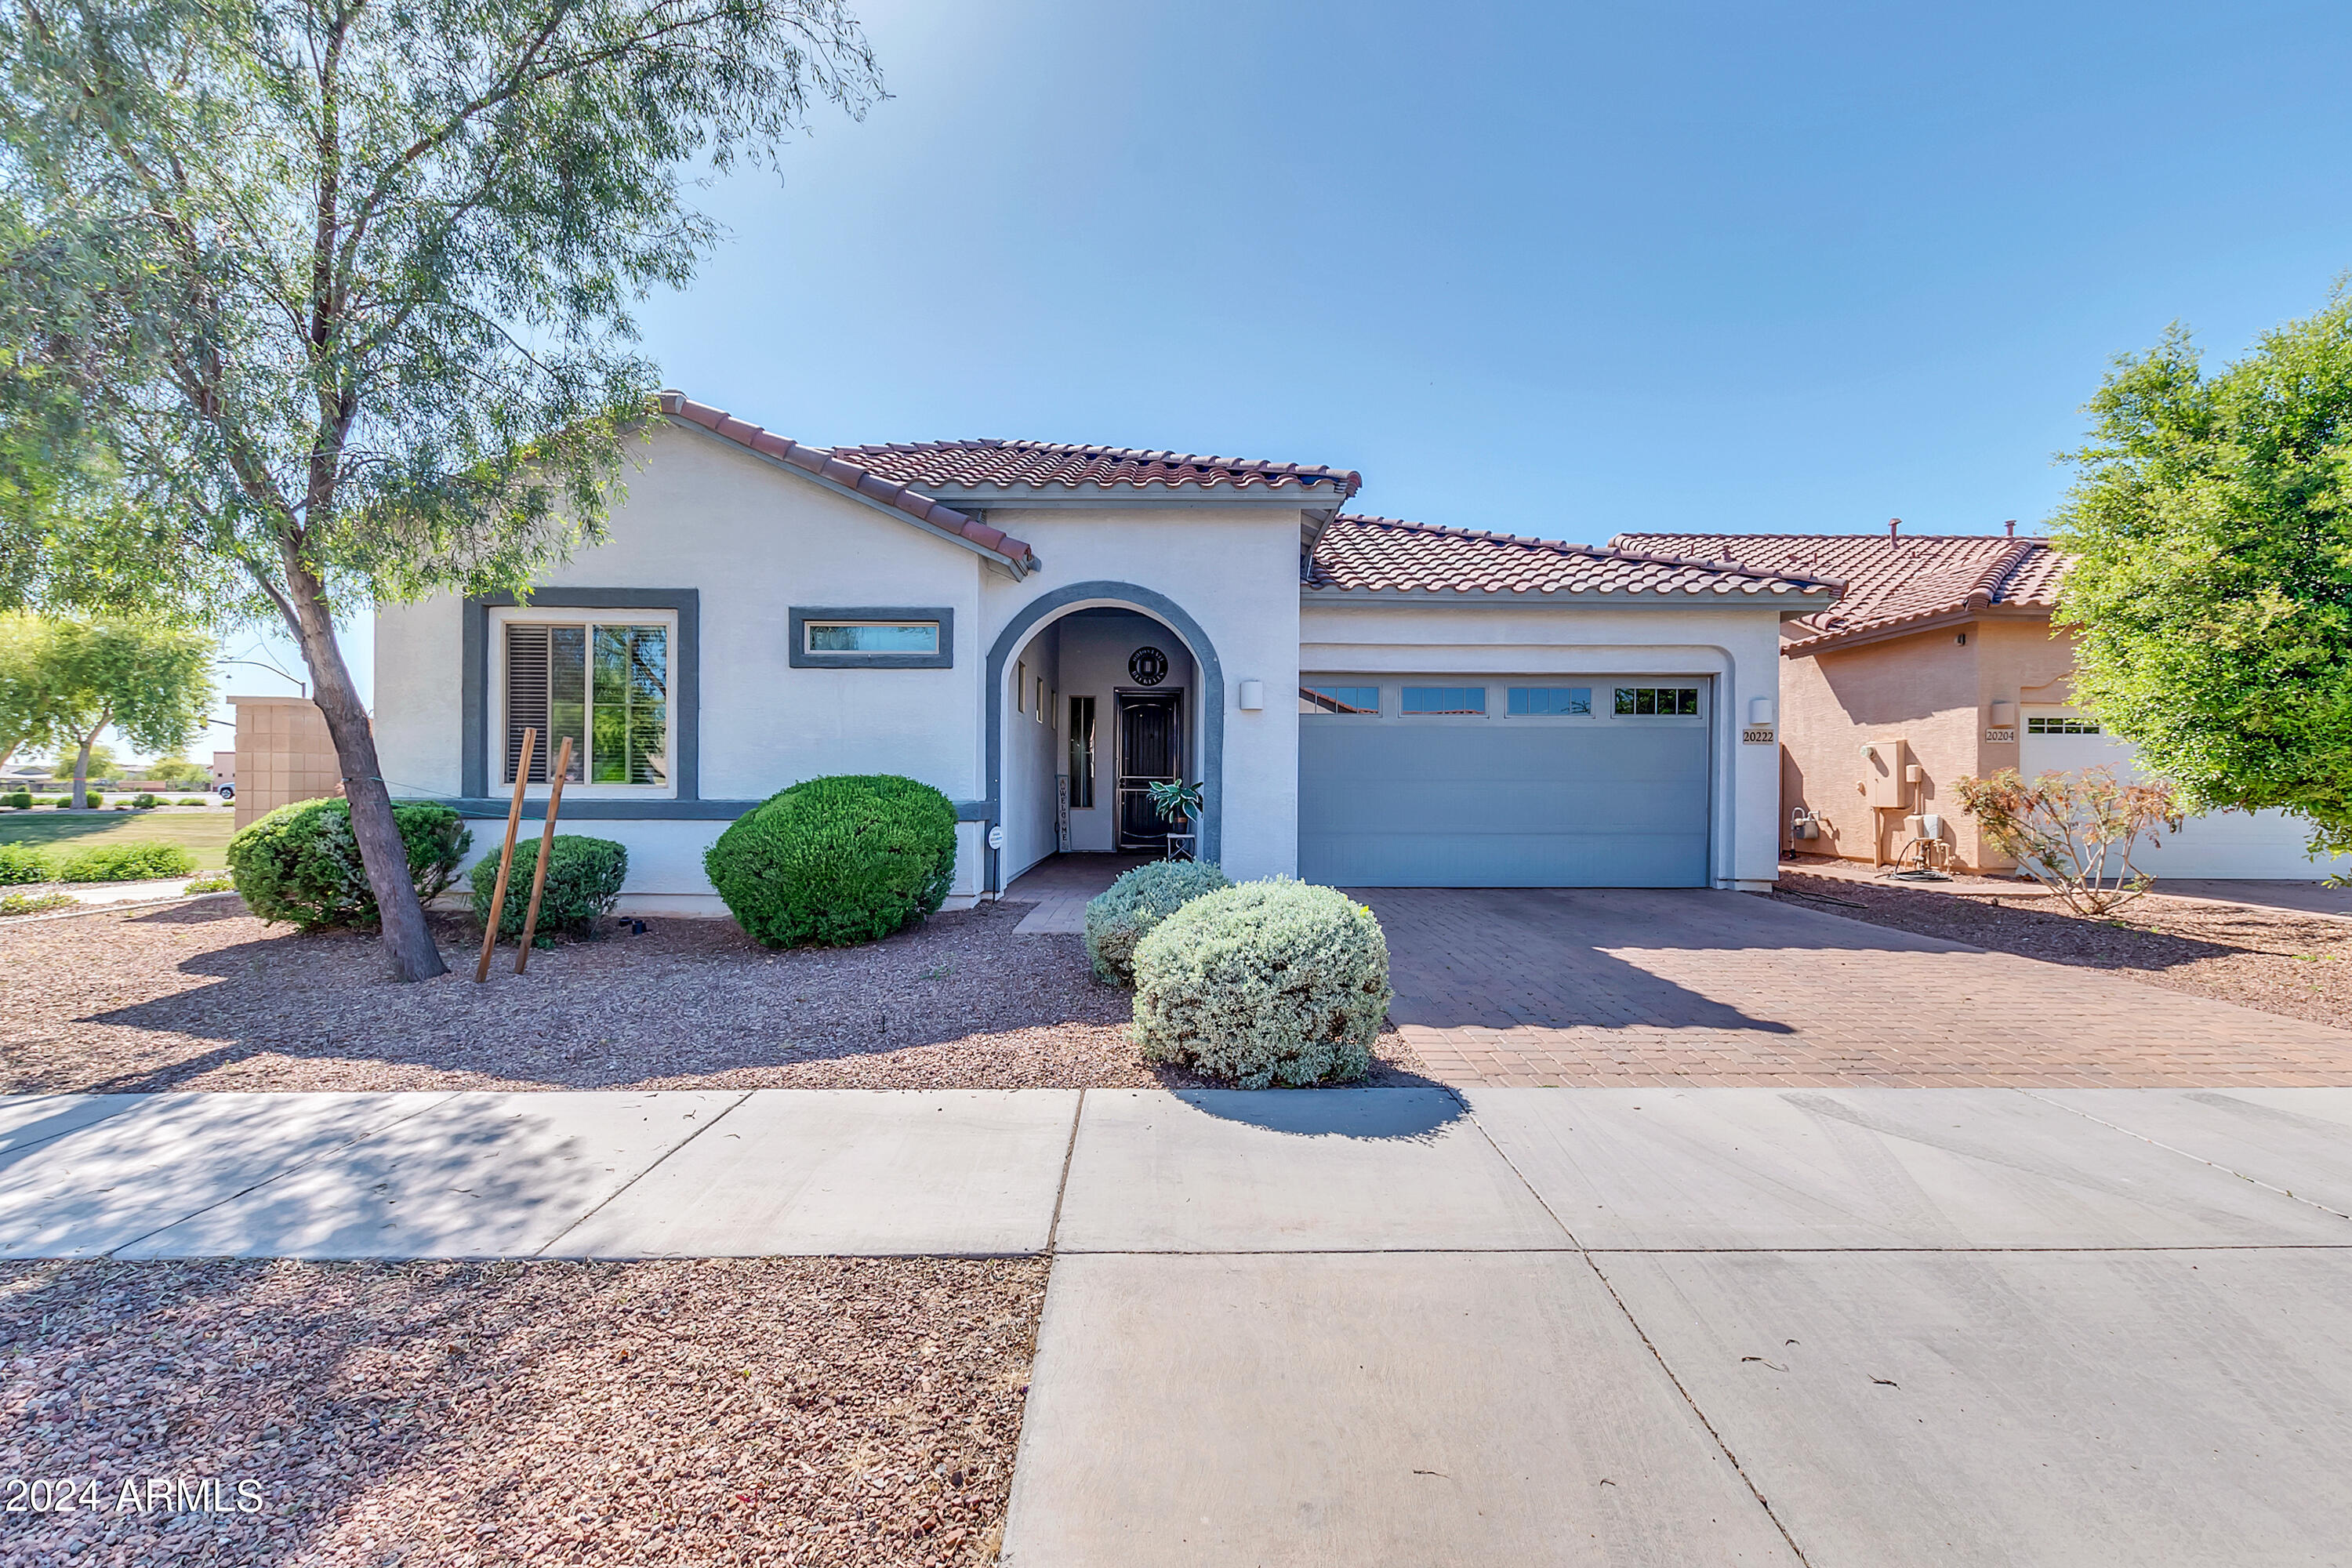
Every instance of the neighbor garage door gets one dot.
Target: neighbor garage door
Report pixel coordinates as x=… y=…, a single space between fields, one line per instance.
x=1503 y=781
x=2258 y=844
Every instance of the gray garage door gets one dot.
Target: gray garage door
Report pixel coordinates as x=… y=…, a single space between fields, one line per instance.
x=1503 y=782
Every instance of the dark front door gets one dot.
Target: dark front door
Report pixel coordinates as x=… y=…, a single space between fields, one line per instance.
x=1151 y=750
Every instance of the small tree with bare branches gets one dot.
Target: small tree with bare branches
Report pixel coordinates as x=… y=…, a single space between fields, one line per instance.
x=2074 y=833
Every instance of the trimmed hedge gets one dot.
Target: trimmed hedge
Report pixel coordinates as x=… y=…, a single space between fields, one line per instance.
x=144 y=802
x=21 y=863
x=300 y=864
x=837 y=861
x=584 y=882
x=1274 y=981
x=138 y=860
x=22 y=799
x=1126 y=913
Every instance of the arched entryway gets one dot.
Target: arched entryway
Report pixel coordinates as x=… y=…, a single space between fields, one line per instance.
x=1120 y=665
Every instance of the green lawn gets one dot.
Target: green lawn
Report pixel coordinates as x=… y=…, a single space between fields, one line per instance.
x=206 y=832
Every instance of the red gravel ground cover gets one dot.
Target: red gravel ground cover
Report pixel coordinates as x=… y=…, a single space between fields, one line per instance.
x=754 y=1411
x=2276 y=960
x=203 y=996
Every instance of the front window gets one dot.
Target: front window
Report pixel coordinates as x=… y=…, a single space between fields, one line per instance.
x=1661 y=700
x=873 y=636
x=1452 y=700
x=604 y=686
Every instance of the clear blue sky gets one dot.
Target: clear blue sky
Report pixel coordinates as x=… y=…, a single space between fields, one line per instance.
x=1549 y=268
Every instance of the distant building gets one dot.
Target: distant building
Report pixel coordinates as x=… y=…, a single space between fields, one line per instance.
x=223 y=768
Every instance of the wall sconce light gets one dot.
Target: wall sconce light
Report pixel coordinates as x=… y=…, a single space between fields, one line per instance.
x=1759 y=711
x=1869 y=752
x=2004 y=715
x=1252 y=696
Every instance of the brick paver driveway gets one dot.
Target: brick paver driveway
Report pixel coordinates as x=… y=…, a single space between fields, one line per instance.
x=1584 y=986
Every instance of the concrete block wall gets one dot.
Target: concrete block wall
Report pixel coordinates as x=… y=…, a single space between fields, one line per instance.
x=283 y=755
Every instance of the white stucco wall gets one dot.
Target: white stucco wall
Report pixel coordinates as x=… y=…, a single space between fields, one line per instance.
x=1739 y=647
x=753 y=541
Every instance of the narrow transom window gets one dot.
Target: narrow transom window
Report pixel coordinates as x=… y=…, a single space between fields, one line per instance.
x=604 y=687
x=873 y=636
x=2049 y=726
x=1661 y=700
x=1457 y=700
x=1538 y=701
x=1339 y=699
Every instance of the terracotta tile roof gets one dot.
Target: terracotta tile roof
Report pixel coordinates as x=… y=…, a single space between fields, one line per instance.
x=853 y=474
x=1380 y=554
x=1890 y=582
x=946 y=465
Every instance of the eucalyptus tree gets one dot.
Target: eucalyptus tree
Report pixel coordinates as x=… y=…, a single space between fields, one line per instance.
x=342 y=290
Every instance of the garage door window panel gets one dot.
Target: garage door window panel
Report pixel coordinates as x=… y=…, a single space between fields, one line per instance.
x=1348 y=701
x=1658 y=701
x=1548 y=701
x=1445 y=701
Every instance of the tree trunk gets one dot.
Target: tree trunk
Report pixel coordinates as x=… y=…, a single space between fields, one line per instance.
x=406 y=935
x=81 y=763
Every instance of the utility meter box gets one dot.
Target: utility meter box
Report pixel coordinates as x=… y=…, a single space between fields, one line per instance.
x=1883 y=771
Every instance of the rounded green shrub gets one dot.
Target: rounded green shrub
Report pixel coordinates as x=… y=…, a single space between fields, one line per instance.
x=138 y=860
x=583 y=882
x=1274 y=981
x=1123 y=915
x=22 y=799
x=836 y=861
x=300 y=864
x=142 y=800
x=21 y=863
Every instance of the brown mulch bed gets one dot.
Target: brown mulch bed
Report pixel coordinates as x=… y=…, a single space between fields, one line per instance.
x=767 y=1411
x=2276 y=960
x=203 y=996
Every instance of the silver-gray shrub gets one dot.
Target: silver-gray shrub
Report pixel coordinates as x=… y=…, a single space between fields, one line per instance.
x=1273 y=982
x=1119 y=917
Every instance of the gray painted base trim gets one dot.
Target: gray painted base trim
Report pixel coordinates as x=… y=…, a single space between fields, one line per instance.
x=646 y=810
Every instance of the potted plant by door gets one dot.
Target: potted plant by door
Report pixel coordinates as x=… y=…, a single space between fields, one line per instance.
x=1178 y=802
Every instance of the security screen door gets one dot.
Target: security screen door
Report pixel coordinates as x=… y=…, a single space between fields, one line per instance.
x=1151 y=750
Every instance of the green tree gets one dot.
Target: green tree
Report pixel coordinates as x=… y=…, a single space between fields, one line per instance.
x=341 y=290
x=28 y=708
x=151 y=681
x=2211 y=586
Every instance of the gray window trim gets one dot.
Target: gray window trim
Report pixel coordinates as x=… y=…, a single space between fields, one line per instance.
x=685 y=697
x=801 y=658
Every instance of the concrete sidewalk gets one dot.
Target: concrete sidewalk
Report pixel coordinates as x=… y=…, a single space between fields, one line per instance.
x=1855 y=1327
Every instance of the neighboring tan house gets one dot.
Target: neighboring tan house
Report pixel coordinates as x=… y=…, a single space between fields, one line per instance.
x=223 y=768
x=1042 y=631
x=1940 y=657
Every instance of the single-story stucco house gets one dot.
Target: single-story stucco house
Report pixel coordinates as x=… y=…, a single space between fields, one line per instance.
x=1940 y=656
x=1040 y=631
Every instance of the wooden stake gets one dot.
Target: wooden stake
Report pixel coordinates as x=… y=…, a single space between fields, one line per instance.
x=506 y=857
x=546 y=843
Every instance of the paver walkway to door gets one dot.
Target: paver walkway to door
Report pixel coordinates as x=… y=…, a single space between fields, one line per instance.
x=1598 y=988
x=1840 y=1329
